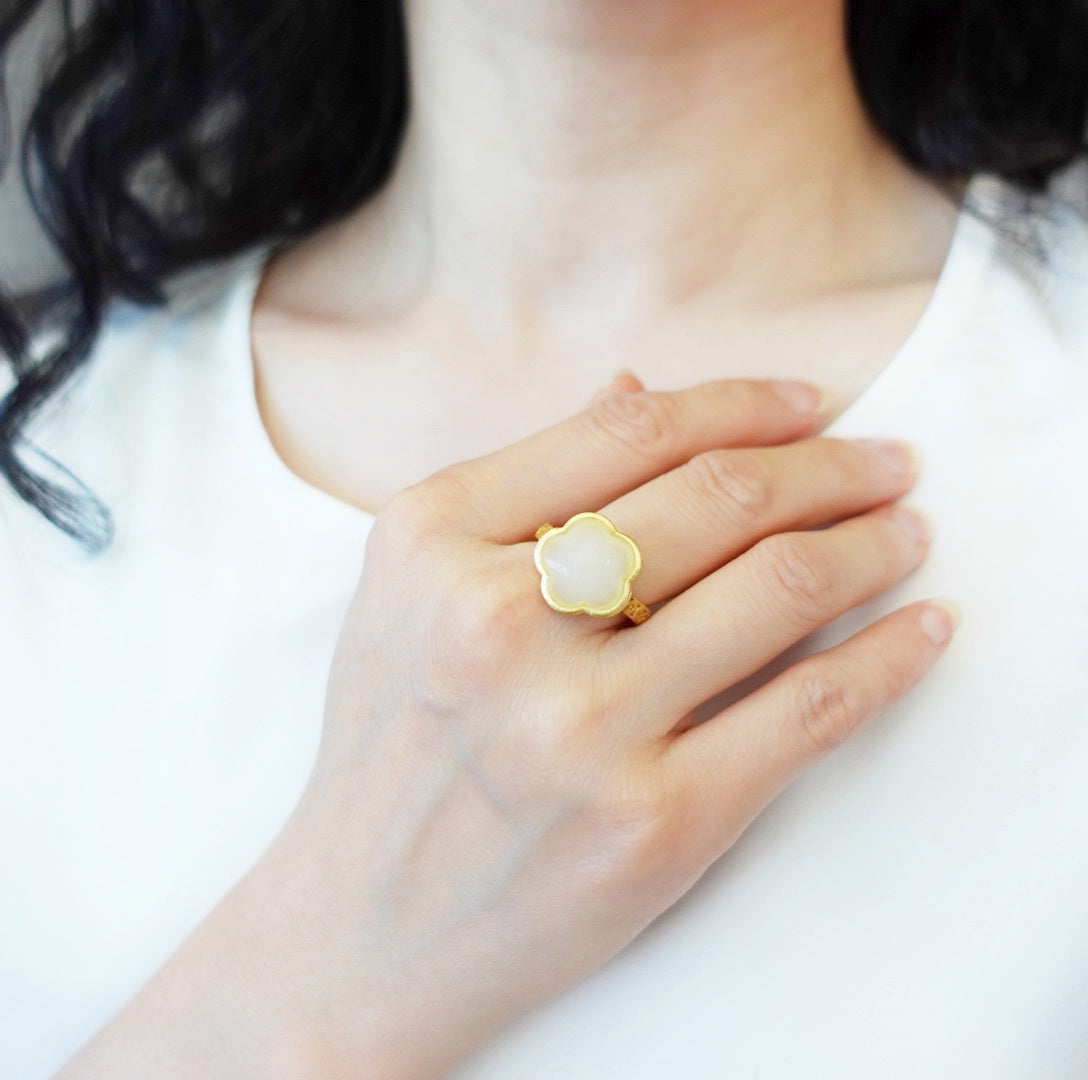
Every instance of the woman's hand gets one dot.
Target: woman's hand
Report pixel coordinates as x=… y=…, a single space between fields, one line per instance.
x=505 y=796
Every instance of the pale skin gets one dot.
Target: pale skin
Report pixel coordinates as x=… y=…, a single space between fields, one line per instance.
x=560 y=796
x=722 y=209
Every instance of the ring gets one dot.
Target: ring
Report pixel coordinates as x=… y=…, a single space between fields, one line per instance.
x=587 y=567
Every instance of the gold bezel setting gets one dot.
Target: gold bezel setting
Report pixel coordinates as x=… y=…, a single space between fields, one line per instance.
x=548 y=534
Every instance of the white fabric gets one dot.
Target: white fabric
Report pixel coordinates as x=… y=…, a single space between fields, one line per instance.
x=915 y=906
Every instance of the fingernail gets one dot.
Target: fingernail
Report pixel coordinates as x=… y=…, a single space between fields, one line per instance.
x=802 y=397
x=940 y=620
x=913 y=523
x=612 y=388
x=900 y=459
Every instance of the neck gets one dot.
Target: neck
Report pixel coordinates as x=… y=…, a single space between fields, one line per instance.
x=595 y=162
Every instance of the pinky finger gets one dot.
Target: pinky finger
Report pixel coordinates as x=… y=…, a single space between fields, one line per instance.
x=733 y=764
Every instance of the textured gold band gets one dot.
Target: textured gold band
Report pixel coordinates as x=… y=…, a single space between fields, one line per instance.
x=637 y=611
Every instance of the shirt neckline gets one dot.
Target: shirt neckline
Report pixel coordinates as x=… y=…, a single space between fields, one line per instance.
x=953 y=298
x=269 y=470
x=969 y=254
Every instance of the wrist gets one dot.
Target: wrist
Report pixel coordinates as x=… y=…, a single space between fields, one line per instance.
x=350 y=1004
x=288 y=1010
x=303 y=986
x=231 y=1004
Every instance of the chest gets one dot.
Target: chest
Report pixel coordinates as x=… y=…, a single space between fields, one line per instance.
x=362 y=411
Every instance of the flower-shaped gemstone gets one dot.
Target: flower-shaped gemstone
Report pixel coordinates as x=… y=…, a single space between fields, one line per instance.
x=587 y=566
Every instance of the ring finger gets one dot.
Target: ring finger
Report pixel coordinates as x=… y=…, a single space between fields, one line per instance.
x=729 y=625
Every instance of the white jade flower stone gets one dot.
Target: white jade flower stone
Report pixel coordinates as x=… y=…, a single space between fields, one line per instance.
x=587 y=566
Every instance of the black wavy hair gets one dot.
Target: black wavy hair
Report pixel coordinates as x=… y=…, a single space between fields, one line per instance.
x=172 y=133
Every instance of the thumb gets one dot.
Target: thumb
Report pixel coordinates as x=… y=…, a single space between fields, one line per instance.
x=624 y=381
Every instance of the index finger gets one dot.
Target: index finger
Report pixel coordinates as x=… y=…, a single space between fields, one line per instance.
x=615 y=445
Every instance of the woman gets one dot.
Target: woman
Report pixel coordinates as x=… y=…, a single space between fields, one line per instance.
x=454 y=869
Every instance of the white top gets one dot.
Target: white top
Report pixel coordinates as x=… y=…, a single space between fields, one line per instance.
x=914 y=906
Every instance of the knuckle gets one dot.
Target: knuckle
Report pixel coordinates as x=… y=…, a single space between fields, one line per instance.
x=737 y=482
x=563 y=739
x=828 y=709
x=552 y=744
x=472 y=648
x=432 y=505
x=802 y=571
x=482 y=614
x=639 y=827
x=411 y=518
x=643 y=421
x=552 y=752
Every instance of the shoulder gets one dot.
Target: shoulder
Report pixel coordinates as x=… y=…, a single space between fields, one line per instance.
x=158 y=382
x=1035 y=288
x=142 y=355
x=204 y=320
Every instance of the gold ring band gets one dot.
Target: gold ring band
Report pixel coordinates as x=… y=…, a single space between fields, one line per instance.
x=587 y=566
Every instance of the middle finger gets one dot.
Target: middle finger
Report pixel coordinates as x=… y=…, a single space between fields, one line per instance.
x=692 y=520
